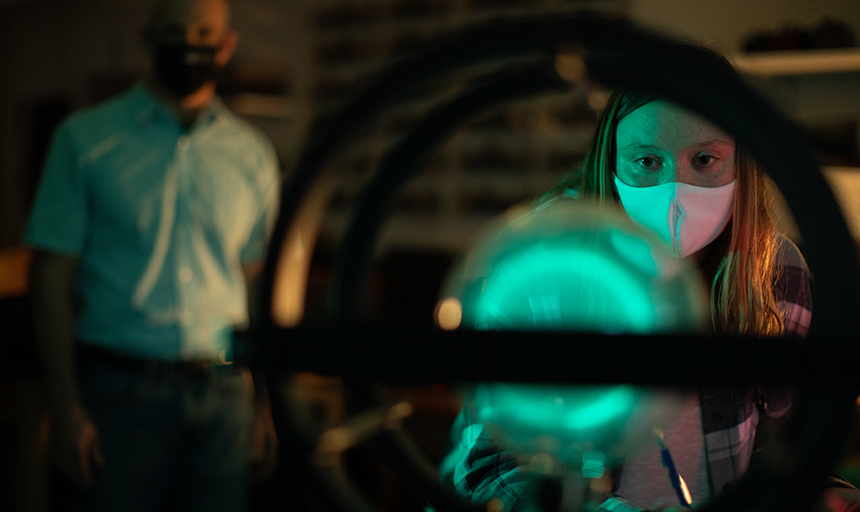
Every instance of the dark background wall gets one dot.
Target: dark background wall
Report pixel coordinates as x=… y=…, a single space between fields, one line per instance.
x=58 y=55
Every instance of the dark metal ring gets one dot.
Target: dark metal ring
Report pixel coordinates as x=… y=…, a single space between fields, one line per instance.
x=619 y=55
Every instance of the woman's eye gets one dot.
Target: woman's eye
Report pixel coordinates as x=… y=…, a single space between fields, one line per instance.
x=647 y=162
x=704 y=160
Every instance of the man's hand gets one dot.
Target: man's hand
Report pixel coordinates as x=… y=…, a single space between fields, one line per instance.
x=76 y=445
x=265 y=452
x=52 y=294
x=264 y=456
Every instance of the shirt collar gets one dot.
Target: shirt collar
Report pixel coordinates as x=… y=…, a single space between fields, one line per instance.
x=147 y=107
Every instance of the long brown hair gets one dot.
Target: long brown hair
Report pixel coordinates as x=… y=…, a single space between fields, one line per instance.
x=742 y=262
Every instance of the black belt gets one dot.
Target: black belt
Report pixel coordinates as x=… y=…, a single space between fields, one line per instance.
x=189 y=367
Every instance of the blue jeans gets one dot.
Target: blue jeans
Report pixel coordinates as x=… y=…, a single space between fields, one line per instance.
x=171 y=440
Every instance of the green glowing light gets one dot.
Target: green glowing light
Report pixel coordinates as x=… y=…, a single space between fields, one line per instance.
x=614 y=403
x=545 y=408
x=577 y=268
x=551 y=287
x=569 y=266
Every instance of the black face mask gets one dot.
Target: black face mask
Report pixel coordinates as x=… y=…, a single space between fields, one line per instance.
x=183 y=69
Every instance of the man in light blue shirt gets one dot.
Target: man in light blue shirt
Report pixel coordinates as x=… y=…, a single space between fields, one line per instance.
x=162 y=218
x=151 y=219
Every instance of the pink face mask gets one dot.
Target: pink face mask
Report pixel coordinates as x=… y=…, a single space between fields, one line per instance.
x=687 y=217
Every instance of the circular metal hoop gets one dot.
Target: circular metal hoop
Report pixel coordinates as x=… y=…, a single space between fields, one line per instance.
x=618 y=55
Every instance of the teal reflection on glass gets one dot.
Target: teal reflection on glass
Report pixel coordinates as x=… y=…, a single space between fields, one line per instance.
x=593 y=464
x=547 y=285
x=603 y=409
x=576 y=267
x=551 y=408
x=615 y=420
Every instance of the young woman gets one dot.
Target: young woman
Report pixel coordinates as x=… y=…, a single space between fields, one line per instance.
x=684 y=178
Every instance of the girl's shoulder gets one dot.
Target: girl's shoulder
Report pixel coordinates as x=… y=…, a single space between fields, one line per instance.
x=788 y=255
x=793 y=287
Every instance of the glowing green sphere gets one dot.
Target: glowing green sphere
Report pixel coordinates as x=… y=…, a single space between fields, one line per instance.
x=578 y=267
x=575 y=266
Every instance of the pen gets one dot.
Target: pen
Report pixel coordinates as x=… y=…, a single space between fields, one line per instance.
x=678 y=482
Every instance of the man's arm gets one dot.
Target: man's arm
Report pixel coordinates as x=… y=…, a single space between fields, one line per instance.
x=52 y=296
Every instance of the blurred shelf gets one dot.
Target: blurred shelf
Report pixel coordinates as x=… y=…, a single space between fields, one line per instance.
x=449 y=233
x=507 y=156
x=262 y=105
x=806 y=62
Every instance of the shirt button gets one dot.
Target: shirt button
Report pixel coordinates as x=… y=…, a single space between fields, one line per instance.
x=186 y=318
x=185 y=274
x=183 y=142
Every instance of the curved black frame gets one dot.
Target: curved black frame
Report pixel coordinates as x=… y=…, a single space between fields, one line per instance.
x=621 y=55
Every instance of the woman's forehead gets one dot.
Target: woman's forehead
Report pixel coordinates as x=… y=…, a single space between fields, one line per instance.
x=667 y=125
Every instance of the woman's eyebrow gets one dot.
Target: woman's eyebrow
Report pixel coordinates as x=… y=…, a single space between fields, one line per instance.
x=697 y=145
x=638 y=146
x=713 y=142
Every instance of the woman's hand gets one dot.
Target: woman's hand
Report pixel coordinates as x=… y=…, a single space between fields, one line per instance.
x=839 y=499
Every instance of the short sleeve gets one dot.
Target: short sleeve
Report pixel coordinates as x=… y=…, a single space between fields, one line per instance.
x=255 y=249
x=58 y=220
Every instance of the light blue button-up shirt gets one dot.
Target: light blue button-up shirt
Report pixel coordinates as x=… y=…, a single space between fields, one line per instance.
x=163 y=219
